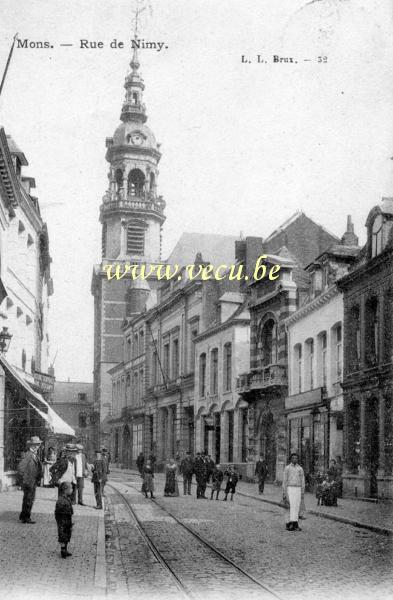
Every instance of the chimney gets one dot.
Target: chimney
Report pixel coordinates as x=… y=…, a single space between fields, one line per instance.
x=349 y=238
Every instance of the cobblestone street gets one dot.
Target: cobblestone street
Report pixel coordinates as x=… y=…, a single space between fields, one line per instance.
x=328 y=559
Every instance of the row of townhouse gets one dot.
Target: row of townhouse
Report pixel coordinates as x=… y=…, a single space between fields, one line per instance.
x=262 y=369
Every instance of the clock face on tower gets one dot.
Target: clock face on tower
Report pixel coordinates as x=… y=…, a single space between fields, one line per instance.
x=136 y=139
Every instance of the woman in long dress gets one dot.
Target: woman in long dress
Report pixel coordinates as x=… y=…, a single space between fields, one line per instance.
x=171 y=486
x=148 y=483
x=48 y=462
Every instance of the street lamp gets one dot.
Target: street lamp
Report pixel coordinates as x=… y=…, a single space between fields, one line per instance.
x=5 y=339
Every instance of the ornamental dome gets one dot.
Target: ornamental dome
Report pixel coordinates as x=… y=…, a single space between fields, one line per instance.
x=134 y=134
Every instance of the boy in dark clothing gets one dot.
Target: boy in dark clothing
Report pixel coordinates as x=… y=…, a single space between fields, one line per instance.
x=232 y=479
x=63 y=516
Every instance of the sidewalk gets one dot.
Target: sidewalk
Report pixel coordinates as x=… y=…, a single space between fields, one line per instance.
x=30 y=562
x=376 y=517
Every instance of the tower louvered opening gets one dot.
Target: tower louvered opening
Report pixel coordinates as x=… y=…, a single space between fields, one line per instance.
x=136 y=238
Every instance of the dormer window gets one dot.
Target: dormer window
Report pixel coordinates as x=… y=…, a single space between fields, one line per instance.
x=376 y=236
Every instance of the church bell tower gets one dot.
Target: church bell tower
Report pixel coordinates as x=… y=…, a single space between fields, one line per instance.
x=132 y=215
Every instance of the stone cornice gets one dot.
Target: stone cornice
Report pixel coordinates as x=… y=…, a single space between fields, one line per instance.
x=221 y=327
x=315 y=304
x=378 y=261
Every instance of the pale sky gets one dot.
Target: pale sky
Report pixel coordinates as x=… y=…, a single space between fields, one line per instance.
x=244 y=145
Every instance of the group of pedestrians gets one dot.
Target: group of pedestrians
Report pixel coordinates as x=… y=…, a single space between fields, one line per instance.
x=202 y=466
x=66 y=471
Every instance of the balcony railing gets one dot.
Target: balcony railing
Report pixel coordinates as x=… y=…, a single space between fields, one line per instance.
x=144 y=201
x=266 y=377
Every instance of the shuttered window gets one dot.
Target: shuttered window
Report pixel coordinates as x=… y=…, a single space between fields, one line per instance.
x=135 y=238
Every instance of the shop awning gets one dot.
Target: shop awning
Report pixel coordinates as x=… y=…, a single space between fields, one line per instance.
x=46 y=412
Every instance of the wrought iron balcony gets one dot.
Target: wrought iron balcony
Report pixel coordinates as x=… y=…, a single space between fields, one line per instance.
x=263 y=378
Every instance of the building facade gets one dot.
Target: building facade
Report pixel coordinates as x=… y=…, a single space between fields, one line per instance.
x=314 y=406
x=26 y=286
x=73 y=402
x=368 y=361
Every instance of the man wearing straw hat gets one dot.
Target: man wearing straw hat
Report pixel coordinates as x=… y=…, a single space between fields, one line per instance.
x=30 y=473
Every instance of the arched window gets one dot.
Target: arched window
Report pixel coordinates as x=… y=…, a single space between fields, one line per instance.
x=354 y=337
x=214 y=372
x=269 y=343
x=322 y=354
x=227 y=370
x=202 y=375
x=309 y=364
x=135 y=98
x=297 y=368
x=136 y=183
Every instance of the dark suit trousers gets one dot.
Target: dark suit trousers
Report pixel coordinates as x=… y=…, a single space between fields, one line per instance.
x=28 y=500
x=98 y=493
x=187 y=478
x=261 y=484
x=80 y=484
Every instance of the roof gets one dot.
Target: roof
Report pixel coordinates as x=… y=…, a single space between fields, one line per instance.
x=216 y=249
x=297 y=215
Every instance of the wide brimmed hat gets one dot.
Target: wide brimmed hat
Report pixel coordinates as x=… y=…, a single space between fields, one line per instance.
x=34 y=441
x=70 y=447
x=79 y=446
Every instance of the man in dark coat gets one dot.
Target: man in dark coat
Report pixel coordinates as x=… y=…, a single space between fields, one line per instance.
x=99 y=478
x=30 y=473
x=140 y=462
x=261 y=472
x=187 y=469
x=200 y=469
x=64 y=469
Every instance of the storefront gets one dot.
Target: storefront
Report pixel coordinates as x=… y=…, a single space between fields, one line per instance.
x=24 y=413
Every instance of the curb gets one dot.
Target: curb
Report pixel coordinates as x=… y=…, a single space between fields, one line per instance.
x=332 y=517
x=100 y=566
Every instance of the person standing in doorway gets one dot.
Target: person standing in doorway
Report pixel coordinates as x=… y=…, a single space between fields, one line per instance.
x=140 y=462
x=30 y=473
x=261 y=472
x=293 y=486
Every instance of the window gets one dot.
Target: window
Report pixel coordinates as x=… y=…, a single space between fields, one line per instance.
x=135 y=346
x=128 y=389
x=166 y=360
x=323 y=357
x=372 y=331
x=227 y=371
x=141 y=384
x=309 y=364
x=202 y=375
x=82 y=420
x=128 y=350
x=136 y=387
x=24 y=360
x=175 y=359
x=141 y=342
x=338 y=352
x=137 y=440
x=194 y=333
x=82 y=397
x=269 y=343
x=136 y=237
x=154 y=379
x=376 y=236
x=214 y=372
x=297 y=368
x=118 y=179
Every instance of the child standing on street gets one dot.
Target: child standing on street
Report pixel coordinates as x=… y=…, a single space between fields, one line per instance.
x=232 y=479
x=63 y=516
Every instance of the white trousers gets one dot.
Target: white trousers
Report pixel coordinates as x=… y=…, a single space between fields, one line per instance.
x=294 y=497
